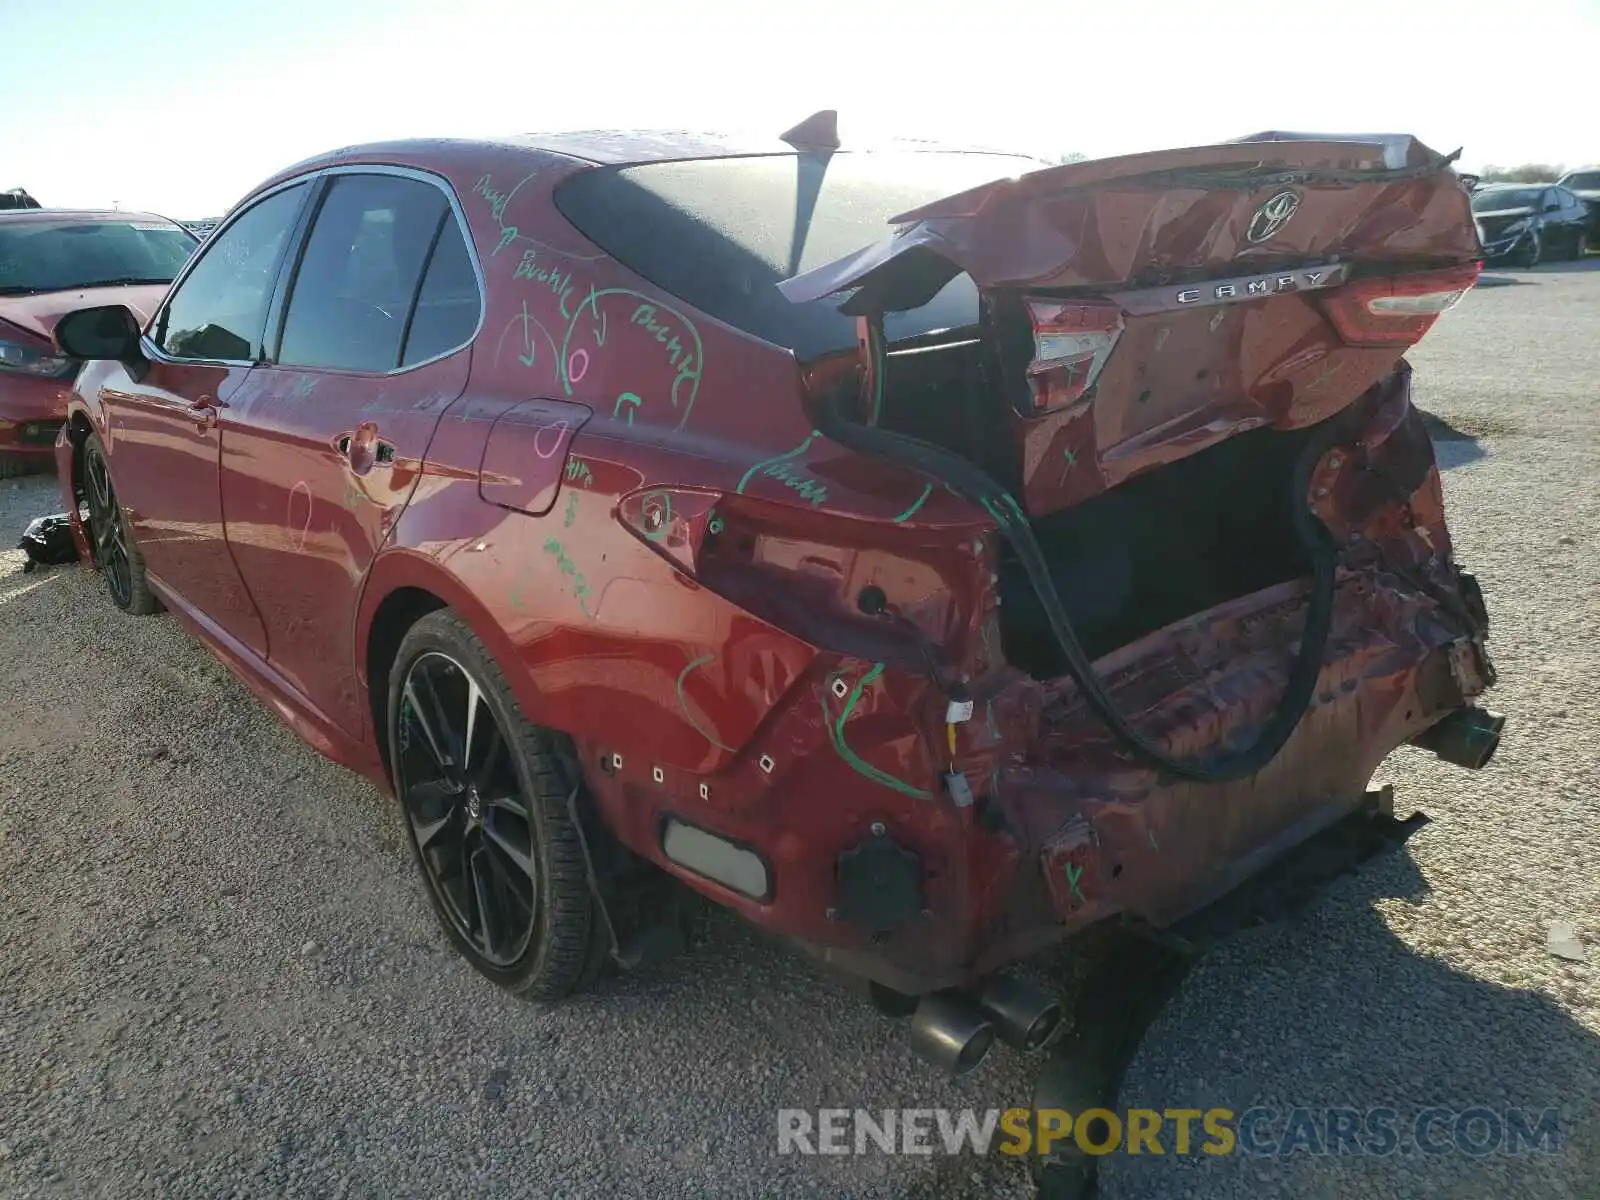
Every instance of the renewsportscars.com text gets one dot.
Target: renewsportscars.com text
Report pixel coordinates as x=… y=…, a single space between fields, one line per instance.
x=1475 y=1132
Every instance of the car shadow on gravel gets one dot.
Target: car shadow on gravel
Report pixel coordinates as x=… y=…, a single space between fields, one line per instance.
x=1454 y=445
x=1328 y=1011
x=1336 y=1012
x=1569 y=266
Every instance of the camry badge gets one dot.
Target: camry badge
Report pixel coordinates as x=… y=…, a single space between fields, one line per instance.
x=1273 y=216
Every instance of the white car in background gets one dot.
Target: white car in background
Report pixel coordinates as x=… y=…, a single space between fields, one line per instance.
x=1585 y=185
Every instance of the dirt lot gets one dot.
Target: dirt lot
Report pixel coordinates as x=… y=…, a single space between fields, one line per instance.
x=219 y=977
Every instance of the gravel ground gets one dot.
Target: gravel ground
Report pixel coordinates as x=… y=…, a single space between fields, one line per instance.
x=220 y=978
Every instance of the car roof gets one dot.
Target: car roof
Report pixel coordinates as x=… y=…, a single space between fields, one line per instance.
x=601 y=147
x=584 y=149
x=613 y=146
x=86 y=215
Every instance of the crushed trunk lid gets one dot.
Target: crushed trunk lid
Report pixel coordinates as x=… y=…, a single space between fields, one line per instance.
x=1145 y=307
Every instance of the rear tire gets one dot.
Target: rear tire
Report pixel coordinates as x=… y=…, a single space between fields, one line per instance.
x=483 y=798
x=110 y=543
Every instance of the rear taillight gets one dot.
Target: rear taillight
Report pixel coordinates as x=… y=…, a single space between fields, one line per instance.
x=1396 y=310
x=1071 y=342
x=674 y=522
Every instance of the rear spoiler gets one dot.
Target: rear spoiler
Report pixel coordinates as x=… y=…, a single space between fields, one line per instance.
x=1399 y=149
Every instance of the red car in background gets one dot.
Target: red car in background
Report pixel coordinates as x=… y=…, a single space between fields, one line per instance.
x=929 y=555
x=53 y=261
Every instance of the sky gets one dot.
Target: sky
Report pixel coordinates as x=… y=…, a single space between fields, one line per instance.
x=182 y=107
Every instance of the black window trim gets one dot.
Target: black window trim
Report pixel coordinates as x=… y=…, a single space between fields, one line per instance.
x=422 y=282
x=289 y=271
x=294 y=251
x=148 y=345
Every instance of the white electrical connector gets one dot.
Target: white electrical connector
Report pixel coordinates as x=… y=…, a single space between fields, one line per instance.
x=958 y=712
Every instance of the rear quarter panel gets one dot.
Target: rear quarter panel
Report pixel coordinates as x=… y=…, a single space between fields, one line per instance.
x=678 y=699
x=613 y=641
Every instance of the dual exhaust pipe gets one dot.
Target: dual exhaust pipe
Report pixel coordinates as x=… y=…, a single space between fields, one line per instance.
x=955 y=1031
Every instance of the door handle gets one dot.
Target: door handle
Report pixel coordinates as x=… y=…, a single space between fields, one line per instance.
x=382 y=451
x=204 y=411
x=364 y=449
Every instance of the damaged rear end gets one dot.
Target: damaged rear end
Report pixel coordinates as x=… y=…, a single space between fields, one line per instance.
x=1223 y=589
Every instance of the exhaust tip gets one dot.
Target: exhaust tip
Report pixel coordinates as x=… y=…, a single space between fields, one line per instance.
x=1025 y=1015
x=1466 y=738
x=951 y=1033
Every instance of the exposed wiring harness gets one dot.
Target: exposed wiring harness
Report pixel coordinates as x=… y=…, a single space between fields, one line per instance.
x=971 y=482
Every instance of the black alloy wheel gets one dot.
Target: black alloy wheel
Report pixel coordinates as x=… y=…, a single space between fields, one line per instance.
x=114 y=550
x=485 y=800
x=110 y=540
x=469 y=815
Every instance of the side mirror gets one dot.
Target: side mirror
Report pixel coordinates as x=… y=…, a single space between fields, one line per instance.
x=110 y=332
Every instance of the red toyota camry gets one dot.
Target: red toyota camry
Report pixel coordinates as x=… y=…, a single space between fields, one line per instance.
x=53 y=261
x=928 y=554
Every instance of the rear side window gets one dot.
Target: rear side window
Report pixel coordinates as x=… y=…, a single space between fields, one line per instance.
x=722 y=233
x=219 y=309
x=447 y=309
x=355 y=284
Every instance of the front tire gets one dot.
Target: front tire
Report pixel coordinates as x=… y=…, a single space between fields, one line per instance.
x=483 y=797
x=113 y=547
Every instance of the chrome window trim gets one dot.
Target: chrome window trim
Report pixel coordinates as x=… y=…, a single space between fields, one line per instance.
x=429 y=177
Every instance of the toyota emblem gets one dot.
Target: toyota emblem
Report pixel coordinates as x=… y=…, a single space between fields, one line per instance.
x=1273 y=216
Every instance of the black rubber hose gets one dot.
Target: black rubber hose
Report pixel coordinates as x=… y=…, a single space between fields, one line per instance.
x=968 y=480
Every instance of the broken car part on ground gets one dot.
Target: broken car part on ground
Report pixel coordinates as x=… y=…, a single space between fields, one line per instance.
x=927 y=555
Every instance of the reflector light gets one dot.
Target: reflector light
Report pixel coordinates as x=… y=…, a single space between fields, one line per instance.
x=1072 y=342
x=671 y=521
x=716 y=858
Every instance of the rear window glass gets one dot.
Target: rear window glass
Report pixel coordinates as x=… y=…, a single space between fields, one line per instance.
x=1587 y=181
x=448 y=305
x=64 y=255
x=722 y=233
x=362 y=264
